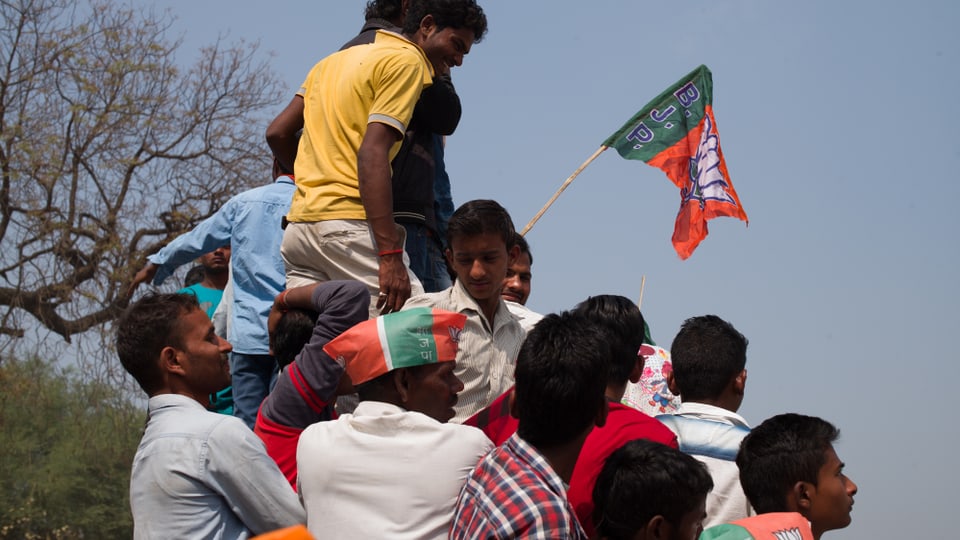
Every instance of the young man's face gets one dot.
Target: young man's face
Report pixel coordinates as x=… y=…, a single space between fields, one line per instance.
x=433 y=391
x=480 y=262
x=831 y=500
x=516 y=287
x=444 y=48
x=202 y=354
x=216 y=261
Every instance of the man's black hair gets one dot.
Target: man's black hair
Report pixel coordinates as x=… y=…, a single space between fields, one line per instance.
x=706 y=354
x=194 y=275
x=145 y=328
x=447 y=13
x=481 y=216
x=389 y=10
x=641 y=480
x=625 y=322
x=561 y=378
x=292 y=332
x=783 y=450
x=519 y=240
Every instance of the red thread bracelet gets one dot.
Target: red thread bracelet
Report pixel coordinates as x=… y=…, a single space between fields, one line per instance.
x=390 y=252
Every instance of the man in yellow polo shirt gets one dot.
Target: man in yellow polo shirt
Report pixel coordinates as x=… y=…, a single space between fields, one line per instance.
x=354 y=107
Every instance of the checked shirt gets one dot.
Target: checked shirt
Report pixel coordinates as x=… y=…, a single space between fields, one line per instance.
x=513 y=493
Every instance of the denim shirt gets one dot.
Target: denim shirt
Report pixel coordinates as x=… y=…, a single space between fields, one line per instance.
x=199 y=474
x=250 y=223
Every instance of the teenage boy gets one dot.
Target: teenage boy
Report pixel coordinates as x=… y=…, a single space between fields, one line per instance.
x=709 y=356
x=480 y=236
x=519 y=489
x=648 y=491
x=788 y=464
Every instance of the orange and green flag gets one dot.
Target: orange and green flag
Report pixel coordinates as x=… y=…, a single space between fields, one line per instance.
x=677 y=133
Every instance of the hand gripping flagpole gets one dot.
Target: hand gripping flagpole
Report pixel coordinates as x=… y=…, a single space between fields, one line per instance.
x=566 y=183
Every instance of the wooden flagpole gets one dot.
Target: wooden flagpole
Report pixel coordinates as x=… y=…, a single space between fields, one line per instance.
x=562 y=187
x=643 y=281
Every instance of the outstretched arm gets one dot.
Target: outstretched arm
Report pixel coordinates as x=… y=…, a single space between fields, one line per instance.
x=145 y=274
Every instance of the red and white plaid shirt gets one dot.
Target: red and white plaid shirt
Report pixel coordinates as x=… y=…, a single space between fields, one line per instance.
x=513 y=493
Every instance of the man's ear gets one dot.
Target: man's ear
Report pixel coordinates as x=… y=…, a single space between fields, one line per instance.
x=799 y=497
x=401 y=381
x=740 y=382
x=428 y=25
x=512 y=255
x=672 y=383
x=657 y=528
x=601 y=418
x=637 y=370
x=170 y=360
x=449 y=256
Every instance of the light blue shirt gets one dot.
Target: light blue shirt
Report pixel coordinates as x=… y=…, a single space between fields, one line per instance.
x=198 y=474
x=250 y=223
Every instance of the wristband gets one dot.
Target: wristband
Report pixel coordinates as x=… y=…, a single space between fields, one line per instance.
x=390 y=252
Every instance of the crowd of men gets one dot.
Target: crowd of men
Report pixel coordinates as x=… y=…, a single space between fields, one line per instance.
x=372 y=370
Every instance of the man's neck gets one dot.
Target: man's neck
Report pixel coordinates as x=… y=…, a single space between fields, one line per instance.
x=563 y=457
x=489 y=308
x=215 y=281
x=718 y=402
x=615 y=392
x=177 y=389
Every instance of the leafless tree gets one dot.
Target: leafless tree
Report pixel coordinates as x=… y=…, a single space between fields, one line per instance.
x=108 y=149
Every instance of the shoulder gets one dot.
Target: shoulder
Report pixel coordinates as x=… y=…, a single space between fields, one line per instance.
x=469 y=437
x=276 y=188
x=441 y=300
x=230 y=430
x=191 y=289
x=319 y=430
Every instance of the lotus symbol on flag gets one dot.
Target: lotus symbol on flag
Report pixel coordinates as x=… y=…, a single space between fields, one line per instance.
x=454 y=333
x=706 y=179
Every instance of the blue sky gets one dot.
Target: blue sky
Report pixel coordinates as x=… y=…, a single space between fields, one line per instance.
x=838 y=126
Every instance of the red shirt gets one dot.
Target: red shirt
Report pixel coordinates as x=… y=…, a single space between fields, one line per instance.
x=495 y=420
x=624 y=424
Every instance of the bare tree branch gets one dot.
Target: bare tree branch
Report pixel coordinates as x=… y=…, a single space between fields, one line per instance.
x=108 y=150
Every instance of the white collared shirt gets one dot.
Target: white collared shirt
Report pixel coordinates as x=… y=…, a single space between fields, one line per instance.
x=385 y=472
x=525 y=316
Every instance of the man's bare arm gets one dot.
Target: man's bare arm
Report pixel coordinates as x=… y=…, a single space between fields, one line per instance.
x=376 y=194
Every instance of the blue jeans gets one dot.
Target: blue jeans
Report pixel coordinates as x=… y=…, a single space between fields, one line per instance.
x=426 y=260
x=252 y=377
